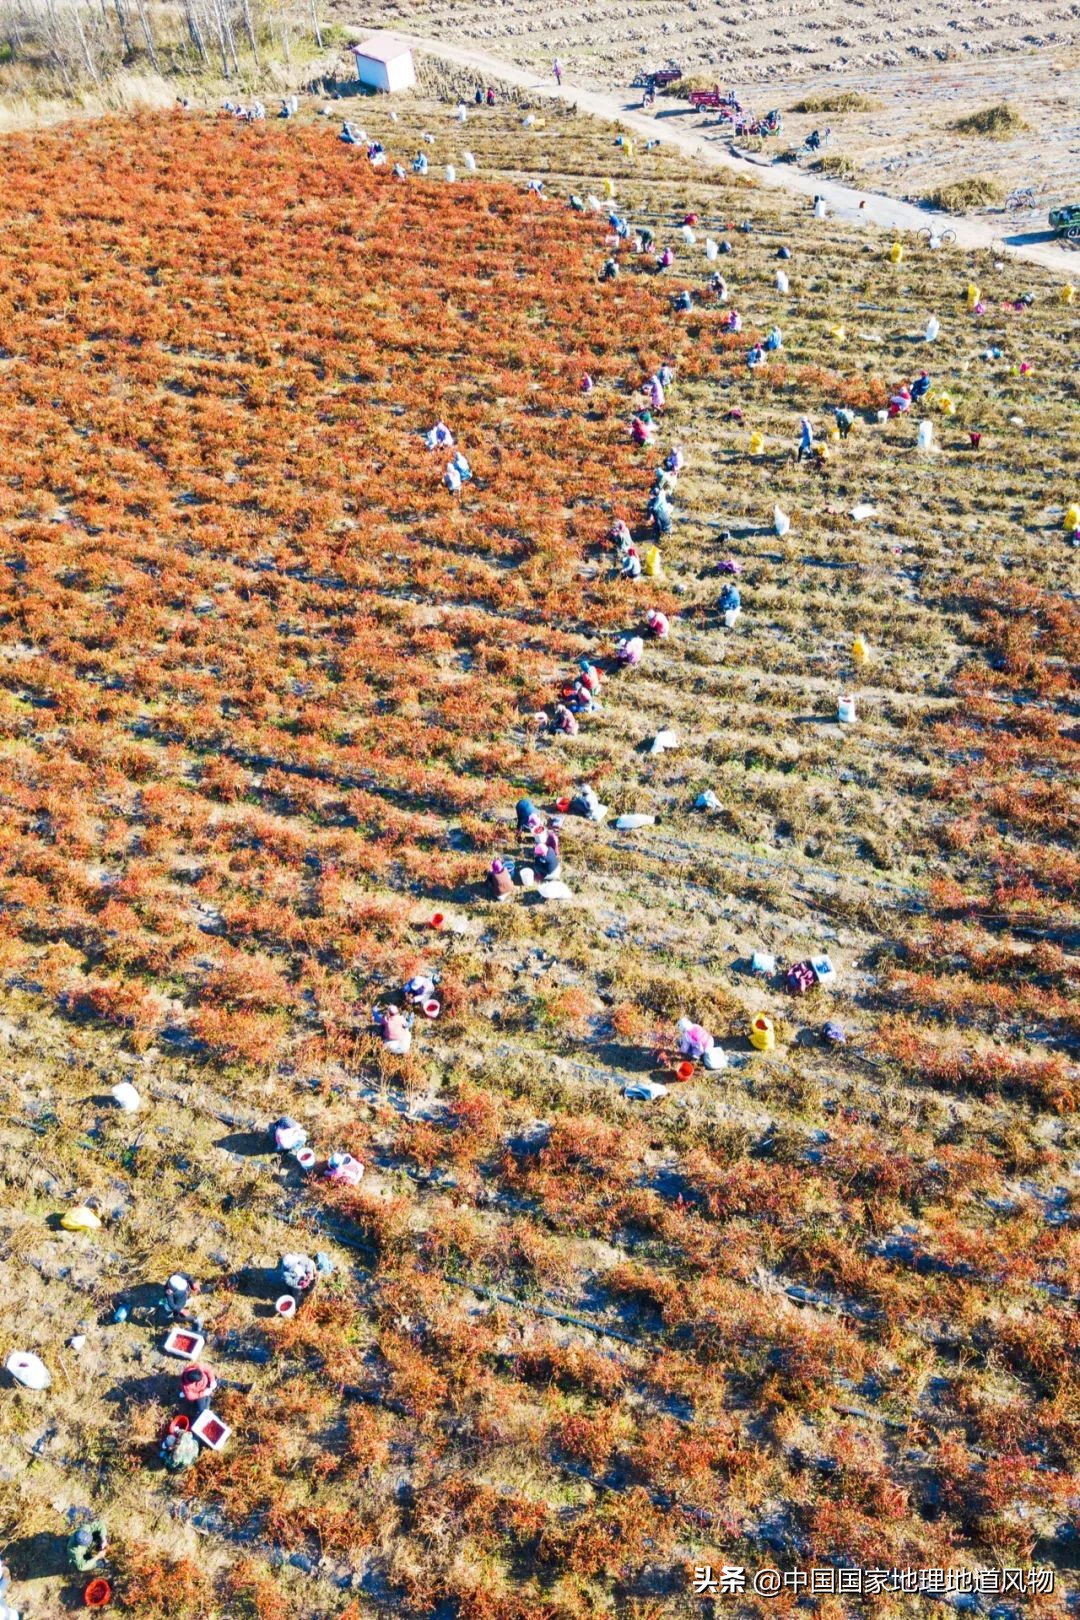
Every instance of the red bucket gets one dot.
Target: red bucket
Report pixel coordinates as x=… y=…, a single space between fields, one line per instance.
x=437 y=920
x=179 y=1424
x=684 y=1071
x=98 y=1595
x=562 y=806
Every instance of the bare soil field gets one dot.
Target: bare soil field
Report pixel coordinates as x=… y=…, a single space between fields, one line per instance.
x=267 y=698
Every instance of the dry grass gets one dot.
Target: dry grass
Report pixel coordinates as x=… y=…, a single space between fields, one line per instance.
x=963 y=196
x=837 y=166
x=839 y=101
x=1000 y=123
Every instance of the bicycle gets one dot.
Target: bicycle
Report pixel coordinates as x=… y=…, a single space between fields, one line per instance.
x=937 y=239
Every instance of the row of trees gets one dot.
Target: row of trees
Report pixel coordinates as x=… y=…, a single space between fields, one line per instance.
x=74 y=44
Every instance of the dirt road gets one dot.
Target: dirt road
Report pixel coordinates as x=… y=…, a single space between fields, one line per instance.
x=888 y=213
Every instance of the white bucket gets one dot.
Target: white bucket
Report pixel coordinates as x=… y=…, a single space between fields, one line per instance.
x=126 y=1097
x=527 y=876
x=285 y=1305
x=432 y=1009
x=926 y=435
x=846 y=709
x=305 y=1158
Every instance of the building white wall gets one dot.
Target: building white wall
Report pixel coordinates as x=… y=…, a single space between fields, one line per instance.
x=401 y=73
x=397 y=74
x=372 y=74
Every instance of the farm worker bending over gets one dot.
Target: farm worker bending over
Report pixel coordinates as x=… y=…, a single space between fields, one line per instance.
x=349 y=134
x=609 y=270
x=619 y=535
x=667 y=259
x=87 y=1546
x=590 y=675
x=179 y=1451
x=289 y=1136
x=452 y=479
x=845 y=420
x=775 y=340
x=500 y=883
x=674 y=461
x=900 y=402
x=642 y=428
x=581 y=699
x=546 y=856
x=178 y=1292
x=585 y=803
x=628 y=650
x=565 y=721
x=395 y=1028
x=528 y=819
x=439 y=438
x=731 y=322
x=299 y=1273
x=197 y=1385
x=420 y=163
x=694 y=1041
x=654 y=388
x=657 y=623
x=921 y=386
x=756 y=357
x=730 y=605
x=684 y=301
x=660 y=511
x=631 y=563
x=719 y=286
x=806 y=437
x=418 y=989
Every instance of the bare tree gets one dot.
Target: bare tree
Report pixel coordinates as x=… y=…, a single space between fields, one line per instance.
x=249 y=29
x=195 y=33
x=219 y=22
x=121 y=18
x=144 y=23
